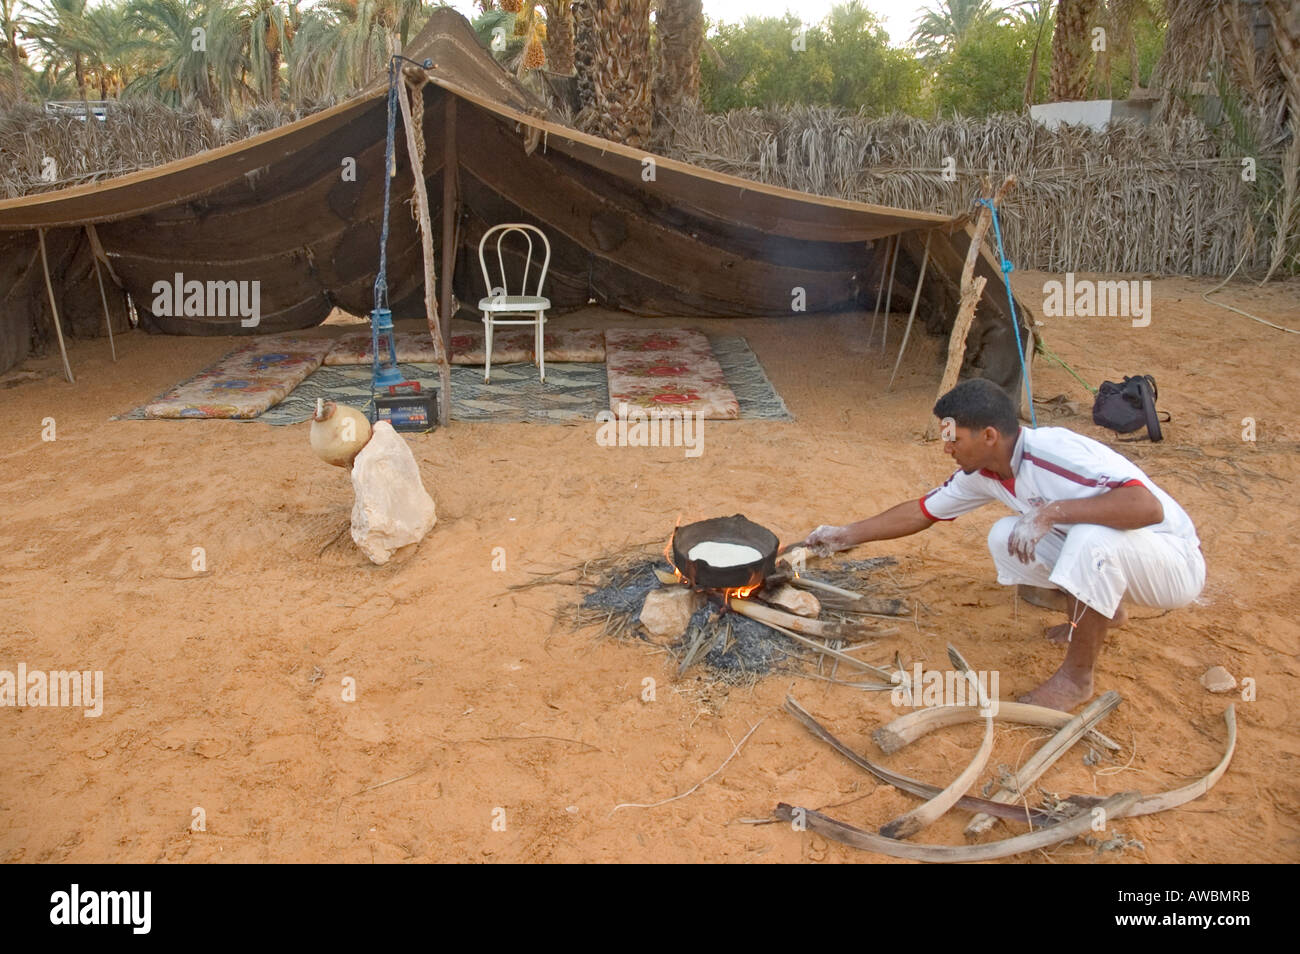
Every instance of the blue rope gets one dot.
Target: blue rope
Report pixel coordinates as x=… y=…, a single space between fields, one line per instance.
x=1011 y=300
x=381 y=279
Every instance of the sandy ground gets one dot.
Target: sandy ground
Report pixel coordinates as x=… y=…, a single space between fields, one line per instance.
x=224 y=690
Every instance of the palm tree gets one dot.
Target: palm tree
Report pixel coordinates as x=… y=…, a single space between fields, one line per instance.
x=112 y=47
x=340 y=45
x=621 y=108
x=559 y=36
x=679 y=32
x=266 y=28
x=1071 y=50
x=205 y=67
x=946 y=24
x=12 y=27
x=59 y=31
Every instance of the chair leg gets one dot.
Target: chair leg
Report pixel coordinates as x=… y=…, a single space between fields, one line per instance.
x=541 y=345
x=487 y=350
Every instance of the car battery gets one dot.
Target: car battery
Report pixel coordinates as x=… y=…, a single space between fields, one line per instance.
x=406 y=407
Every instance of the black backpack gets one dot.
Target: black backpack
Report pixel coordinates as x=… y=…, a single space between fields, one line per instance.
x=1128 y=407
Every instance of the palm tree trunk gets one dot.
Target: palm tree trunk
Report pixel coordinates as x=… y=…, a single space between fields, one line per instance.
x=679 y=25
x=1071 y=52
x=622 y=109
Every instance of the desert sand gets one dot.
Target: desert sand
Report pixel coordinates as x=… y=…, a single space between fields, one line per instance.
x=474 y=704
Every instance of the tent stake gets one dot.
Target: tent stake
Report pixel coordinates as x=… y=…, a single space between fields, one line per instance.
x=108 y=319
x=426 y=244
x=916 y=298
x=54 y=309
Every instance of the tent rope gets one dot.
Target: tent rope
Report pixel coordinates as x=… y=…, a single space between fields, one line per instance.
x=381 y=279
x=1011 y=300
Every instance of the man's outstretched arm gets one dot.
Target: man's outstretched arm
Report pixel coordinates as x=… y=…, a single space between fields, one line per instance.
x=899 y=521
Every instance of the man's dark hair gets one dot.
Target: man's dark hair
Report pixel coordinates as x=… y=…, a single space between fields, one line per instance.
x=978 y=403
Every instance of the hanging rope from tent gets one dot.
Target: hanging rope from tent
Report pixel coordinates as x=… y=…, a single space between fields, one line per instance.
x=1011 y=300
x=384 y=370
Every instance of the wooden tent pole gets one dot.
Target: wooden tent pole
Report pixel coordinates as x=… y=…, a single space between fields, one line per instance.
x=54 y=309
x=889 y=293
x=108 y=319
x=916 y=298
x=450 y=187
x=426 y=244
x=972 y=287
x=884 y=264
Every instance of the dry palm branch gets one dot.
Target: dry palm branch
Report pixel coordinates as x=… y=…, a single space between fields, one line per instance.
x=1123 y=805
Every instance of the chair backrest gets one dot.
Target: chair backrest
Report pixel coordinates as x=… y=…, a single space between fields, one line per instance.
x=501 y=286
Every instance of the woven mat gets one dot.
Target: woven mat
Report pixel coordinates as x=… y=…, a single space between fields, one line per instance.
x=573 y=392
x=510 y=346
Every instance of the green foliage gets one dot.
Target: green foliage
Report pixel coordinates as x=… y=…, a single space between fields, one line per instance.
x=843 y=61
x=985 y=73
x=944 y=25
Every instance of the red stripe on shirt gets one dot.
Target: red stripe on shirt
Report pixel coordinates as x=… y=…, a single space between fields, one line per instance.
x=931 y=516
x=1071 y=475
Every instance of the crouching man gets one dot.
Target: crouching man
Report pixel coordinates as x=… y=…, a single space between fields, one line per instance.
x=1089 y=522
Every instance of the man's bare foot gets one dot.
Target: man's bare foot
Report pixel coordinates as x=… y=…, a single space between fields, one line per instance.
x=1060 y=692
x=1060 y=633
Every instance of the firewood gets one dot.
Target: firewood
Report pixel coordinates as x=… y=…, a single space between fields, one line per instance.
x=1113 y=807
x=809 y=627
x=910 y=785
x=861 y=603
x=924 y=815
x=911 y=726
x=1043 y=759
x=800 y=602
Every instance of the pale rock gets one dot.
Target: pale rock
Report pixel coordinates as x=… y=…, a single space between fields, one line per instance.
x=1218 y=679
x=797 y=601
x=667 y=611
x=392 y=508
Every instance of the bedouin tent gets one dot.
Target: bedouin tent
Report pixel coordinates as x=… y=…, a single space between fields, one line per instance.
x=629 y=230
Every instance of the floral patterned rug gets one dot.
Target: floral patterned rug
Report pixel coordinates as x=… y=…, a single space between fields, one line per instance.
x=667 y=369
x=244 y=383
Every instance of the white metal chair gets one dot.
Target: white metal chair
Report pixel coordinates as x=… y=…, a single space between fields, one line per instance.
x=499 y=300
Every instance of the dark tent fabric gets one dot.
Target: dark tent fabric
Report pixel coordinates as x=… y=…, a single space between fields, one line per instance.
x=629 y=230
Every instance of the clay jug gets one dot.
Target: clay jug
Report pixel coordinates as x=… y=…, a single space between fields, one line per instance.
x=338 y=433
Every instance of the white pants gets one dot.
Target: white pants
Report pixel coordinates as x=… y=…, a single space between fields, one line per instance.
x=1099 y=565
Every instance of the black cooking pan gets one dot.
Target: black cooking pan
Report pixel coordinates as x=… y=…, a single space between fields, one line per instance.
x=735 y=529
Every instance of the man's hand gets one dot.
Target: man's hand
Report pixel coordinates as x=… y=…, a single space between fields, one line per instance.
x=1029 y=529
x=826 y=540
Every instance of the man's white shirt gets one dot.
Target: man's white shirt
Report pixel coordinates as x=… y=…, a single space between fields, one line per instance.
x=1049 y=464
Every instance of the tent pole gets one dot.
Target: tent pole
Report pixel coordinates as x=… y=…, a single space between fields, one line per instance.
x=916 y=298
x=889 y=293
x=108 y=319
x=450 y=187
x=884 y=264
x=426 y=244
x=54 y=309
